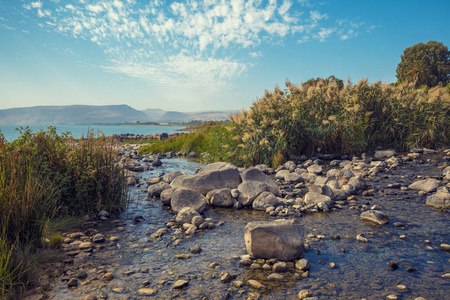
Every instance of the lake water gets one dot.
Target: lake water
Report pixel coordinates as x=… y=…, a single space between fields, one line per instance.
x=10 y=132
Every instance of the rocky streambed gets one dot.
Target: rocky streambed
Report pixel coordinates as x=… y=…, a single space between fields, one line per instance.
x=145 y=253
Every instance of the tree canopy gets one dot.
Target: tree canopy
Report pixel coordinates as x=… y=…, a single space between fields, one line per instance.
x=425 y=64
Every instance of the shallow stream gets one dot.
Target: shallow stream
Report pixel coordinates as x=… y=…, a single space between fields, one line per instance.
x=361 y=268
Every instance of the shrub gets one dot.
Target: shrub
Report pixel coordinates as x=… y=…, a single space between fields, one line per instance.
x=43 y=175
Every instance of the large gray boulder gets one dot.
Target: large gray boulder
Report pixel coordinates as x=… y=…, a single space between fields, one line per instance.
x=429 y=185
x=169 y=177
x=182 y=198
x=439 y=200
x=249 y=190
x=213 y=176
x=220 y=198
x=375 y=216
x=265 y=200
x=316 y=198
x=254 y=174
x=156 y=189
x=280 y=239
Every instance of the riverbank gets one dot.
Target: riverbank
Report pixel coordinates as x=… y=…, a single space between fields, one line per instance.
x=145 y=252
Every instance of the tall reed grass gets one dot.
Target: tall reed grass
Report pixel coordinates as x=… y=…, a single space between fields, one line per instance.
x=323 y=115
x=327 y=115
x=43 y=175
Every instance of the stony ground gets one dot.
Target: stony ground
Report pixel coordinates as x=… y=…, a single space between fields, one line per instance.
x=146 y=253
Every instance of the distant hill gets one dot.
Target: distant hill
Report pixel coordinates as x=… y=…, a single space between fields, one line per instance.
x=71 y=114
x=111 y=114
x=162 y=116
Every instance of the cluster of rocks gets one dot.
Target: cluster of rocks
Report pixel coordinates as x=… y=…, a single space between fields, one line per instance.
x=132 y=161
x=310 y=186
x=130 y=137
x=439 y=189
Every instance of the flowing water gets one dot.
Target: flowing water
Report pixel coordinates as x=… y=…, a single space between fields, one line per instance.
x=361 y=268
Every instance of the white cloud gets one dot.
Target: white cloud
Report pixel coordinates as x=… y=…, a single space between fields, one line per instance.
x=37 y=4
x=95 y=8
x=324 y=33
x=189 y=43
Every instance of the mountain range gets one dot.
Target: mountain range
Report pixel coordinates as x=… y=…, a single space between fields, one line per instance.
x=107 y=114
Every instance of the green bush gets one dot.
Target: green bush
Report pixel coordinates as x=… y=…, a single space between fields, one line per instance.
x=211 y=141
x=43 y=175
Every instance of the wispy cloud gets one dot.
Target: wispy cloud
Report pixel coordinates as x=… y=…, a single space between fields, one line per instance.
x=188 y=43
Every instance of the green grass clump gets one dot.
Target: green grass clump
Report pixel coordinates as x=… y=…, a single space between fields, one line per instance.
x=43 y=176
x=211 y=140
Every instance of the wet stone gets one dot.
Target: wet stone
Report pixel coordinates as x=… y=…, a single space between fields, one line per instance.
x=226 y=278
x=275 y=277
x=279 y=267
x=256 y=284
x=108 y=277
x=196 y=249
x=73 y=282
x=180 y=284
x=147 y=292
x=393 y=265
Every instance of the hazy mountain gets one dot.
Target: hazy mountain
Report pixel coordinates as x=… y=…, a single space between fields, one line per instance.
x=71 y=114
x=90 y=114
x=154 y=113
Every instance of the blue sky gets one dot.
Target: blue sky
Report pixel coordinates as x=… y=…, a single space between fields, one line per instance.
x=199 y=55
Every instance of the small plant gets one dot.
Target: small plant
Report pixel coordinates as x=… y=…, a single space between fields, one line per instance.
x=55 y=241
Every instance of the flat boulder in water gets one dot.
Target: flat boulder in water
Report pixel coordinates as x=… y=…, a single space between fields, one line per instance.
x=316 y=198
x=429 y=185
x=220 y=198
x=182 y=198
x=280 y=239
x=375 y=216
x=439 y=200
x=155 y=190
x=213 y=176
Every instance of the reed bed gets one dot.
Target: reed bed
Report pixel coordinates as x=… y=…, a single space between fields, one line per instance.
x=43 y=176
x=323 y=116
x=330 y=116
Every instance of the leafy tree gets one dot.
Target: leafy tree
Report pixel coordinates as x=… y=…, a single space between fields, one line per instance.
x=425 y=64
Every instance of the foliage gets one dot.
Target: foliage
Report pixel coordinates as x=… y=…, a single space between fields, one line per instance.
x=425 y=64
x=43 y=175
x=327 y=116
x=211 y=140
x=322 y=115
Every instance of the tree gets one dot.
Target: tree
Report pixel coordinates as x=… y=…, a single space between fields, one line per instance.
x=425 y=64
